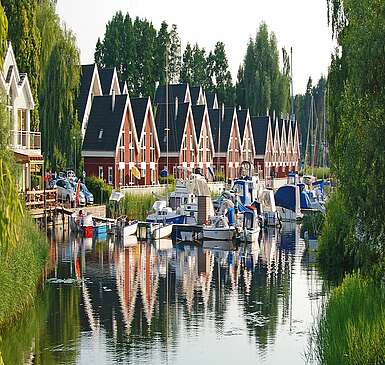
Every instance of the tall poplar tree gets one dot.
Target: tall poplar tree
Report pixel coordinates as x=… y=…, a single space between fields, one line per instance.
x=261 y=85
x=187 y=69
x=175 y=55
x=162 y=41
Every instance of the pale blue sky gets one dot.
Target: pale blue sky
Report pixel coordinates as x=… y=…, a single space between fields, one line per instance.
x=301 y=24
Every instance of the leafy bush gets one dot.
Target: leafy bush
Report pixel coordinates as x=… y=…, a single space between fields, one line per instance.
x=352 y=327
x=170 y=179
x=335 y=242
x=219 y=177
x=99 y=189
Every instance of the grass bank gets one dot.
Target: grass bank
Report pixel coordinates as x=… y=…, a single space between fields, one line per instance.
x=352 y=326
x=134 y=206
x=20 y=272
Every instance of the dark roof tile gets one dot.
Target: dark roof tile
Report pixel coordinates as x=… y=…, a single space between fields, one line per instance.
x=198 y=115
x=84 y=90
x=260 y=127
x=139 y=107
x=103 y=118
x=174 y=91
x=106 y=75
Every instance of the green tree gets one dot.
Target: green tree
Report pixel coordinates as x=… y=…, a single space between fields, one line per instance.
x=222 y=75
x=162 y=41
x=3 y=33
x=58 y=95
x=261 y=85
x=175 y=55
x=187 y=69
x=26 y=42
x=356 y=98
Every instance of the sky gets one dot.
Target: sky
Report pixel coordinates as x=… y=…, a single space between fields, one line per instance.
x=301 y=24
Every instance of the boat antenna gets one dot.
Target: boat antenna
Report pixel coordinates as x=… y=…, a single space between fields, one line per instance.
x=308 y=131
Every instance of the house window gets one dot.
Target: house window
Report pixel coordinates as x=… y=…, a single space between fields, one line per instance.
x=121 y=177
x=110 y=175
x=143 y=172
x=22 y=120
x=152 y=176
x=100 y=172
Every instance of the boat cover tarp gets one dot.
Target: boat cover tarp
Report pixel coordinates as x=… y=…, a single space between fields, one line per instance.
x=285 y=197
x=305 y=201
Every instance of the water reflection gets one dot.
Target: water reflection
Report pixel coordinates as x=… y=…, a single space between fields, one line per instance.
x=162 y=303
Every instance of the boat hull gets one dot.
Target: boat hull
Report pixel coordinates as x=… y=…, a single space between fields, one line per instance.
x=162 y=232
x=218 y=234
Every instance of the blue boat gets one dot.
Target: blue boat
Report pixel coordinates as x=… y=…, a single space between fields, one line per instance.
x=100 y=229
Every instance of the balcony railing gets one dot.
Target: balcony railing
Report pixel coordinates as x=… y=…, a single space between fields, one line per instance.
x=25 y=140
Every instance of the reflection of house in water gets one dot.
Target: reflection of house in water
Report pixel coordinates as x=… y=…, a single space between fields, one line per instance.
x=127 y=282
x=148 y=279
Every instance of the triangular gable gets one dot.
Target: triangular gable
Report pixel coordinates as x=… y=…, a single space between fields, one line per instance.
x=235 y=125
x=189 y=116
x=206 y=120
x=13 y=79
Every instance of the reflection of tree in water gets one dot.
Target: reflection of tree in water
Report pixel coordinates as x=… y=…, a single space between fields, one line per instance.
x=142 y=299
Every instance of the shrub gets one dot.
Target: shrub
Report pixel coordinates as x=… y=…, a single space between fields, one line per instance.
x=219 y=177
x=99 y=189
x=137 y=206
x=352 y=327
x=170 y=179
x=335 y=241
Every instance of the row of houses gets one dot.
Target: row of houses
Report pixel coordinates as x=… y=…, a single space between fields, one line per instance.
x=131 y=141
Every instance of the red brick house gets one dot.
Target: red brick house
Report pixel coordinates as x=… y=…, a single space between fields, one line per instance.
x=182 y=140
x=110 y=147
x=246 y=132
x=227 y=141
x=296 y=156
x=263 y=141
x=283 y=155
x=205 y=151
x=148 y=140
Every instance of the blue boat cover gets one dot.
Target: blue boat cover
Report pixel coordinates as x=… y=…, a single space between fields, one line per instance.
x=285 y=197
x=305 y=200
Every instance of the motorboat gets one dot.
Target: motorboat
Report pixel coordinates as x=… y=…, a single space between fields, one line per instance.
x=251 y=227
x=126 y=227
x=164 y=214
x=100 y=229
x=153 y=231
x=287 y=200
x=268 y=207
x=219 y=230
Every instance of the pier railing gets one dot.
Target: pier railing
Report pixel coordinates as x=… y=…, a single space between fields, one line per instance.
x=40 y=199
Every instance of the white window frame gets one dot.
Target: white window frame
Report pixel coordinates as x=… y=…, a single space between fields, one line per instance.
x=110 y=175
x=101 y=172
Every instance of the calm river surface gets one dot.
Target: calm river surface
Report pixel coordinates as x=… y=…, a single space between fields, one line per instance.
x=171 y=304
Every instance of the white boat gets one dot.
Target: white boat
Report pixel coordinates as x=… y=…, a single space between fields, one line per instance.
x=129 y=241
x=219 y=231
x=130 y=229
x=268 y=207
x=153 y=231
x=161 y=231
x=287 y=199
x=251 y=226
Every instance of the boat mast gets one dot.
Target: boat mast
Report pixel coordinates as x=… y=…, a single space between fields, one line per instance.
x=167 y=128
x=308 y=131
x=291 y=85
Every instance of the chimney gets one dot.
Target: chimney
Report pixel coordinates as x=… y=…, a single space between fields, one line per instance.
x=176 y=107
x=223 y=111
x=113 y=100
x=273 y=114
x=239 y=107
x=267 y=112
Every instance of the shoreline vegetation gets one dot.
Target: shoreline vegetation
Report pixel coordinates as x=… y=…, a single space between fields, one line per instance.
x=351 y=248
x=23 y=248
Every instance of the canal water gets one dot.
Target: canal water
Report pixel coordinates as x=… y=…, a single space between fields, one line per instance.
x=106 y=303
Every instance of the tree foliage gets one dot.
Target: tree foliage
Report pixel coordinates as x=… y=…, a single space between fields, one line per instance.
x=3 y=33
x=357 y=121
x=60 y=78
x=261 y=85
x=26 y=42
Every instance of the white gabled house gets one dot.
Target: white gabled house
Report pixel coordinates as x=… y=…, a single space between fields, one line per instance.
x=25 y=144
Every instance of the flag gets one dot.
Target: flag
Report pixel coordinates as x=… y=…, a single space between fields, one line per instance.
x=77 y=194
x=136 y=172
